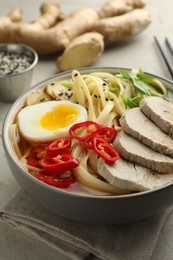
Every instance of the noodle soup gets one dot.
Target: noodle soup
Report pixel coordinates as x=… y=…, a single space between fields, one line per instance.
x=100 y=97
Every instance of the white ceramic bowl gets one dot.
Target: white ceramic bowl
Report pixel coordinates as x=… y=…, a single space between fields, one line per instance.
x=82 y=206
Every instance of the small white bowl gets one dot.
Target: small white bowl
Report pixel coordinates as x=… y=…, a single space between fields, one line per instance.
x=14 y=82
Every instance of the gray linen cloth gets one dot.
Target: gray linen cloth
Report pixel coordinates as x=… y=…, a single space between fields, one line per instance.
x=81 y=241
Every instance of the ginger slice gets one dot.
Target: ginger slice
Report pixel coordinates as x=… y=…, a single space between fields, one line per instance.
x=37 y=96
x=82 y=51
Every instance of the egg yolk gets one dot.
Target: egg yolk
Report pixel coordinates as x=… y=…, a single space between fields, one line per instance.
x=60 y=117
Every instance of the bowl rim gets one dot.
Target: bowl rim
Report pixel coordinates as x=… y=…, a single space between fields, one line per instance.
x=41 y=84
x=25 y=47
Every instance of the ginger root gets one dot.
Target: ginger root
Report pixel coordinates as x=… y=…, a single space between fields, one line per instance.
x=50 y=15
x=124 y=26
x=118 y=7
x=44 y=34
x=14 y=32
x=82 y=51
x=79 y=35
x=15 y=15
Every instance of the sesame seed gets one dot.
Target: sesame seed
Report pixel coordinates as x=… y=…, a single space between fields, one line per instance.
x=42 y=99
x=12 y=63
x=69 y=96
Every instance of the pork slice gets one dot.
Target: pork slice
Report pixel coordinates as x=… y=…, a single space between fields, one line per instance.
x=160 y=111
x=135 y=123
x=131 y=176
x=133 y=150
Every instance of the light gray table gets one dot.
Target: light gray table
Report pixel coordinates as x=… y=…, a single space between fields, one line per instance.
x=136 y=53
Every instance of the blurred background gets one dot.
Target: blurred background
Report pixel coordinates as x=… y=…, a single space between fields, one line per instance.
x=137 y=52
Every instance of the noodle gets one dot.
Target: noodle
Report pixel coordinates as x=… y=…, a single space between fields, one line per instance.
x=86 y=179
x=79 y=83
x=104 y=115
x=14 y=137
x=156 y=83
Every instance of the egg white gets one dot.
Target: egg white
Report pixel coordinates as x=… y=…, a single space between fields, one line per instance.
x=29 y=121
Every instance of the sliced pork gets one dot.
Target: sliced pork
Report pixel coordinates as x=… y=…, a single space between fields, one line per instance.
x=131 y=176
x=133 y=150
x=135 y=123
x=160 y=111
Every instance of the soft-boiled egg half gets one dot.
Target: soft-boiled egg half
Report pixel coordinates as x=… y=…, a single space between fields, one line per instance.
x=49 y=120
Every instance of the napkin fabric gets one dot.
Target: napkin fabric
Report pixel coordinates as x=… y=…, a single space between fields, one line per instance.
x=81 y=241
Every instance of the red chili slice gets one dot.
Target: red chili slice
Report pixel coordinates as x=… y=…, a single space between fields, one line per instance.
x=81 y=131
x=60 y=181
x=36 y=153
x=60 y=146
x=105 y=150
x=107 y=133
x=59 y=164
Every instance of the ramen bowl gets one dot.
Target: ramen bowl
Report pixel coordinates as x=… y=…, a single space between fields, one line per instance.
x=77 y=203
